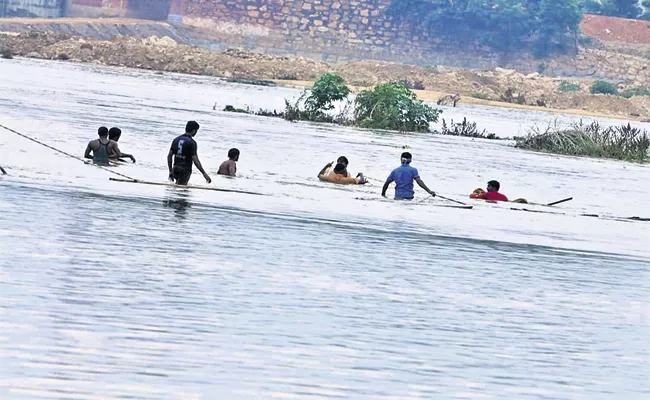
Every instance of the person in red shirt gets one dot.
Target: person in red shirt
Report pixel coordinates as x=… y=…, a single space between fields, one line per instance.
x=492 y=193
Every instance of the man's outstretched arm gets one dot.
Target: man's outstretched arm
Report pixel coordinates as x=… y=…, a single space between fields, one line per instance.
x=197 y=162
x=322 y=171
x=424 y=186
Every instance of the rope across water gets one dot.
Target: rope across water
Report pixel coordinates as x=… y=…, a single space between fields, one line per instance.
x=63 y=152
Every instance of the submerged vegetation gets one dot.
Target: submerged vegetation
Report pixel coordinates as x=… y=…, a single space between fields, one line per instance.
x=393 y=106
x=465 y=128
x=592 y=140
x=247 y=81
x=389 y=106
x=326 y=90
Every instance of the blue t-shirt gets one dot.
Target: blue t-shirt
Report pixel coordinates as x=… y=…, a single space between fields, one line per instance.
x=403 y=177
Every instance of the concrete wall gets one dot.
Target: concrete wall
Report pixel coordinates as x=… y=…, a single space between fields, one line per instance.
x=32 y=8
x=97 y=8
x=142 y=9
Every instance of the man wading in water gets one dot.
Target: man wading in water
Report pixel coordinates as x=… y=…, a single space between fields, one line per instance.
x=102 y=148
x=229 y=167
x=403 y=177
x=114 y=134
x=184 y=153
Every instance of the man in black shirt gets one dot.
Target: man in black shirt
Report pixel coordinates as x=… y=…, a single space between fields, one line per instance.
x=184 y=152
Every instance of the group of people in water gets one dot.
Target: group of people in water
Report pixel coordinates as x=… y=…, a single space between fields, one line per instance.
x=183 y=154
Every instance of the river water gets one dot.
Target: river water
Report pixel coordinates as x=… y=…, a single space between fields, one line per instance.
x=124 y=291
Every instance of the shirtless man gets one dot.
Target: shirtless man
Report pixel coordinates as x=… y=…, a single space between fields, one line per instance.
x=229 y=167
x=102 y=148
x=114 y=135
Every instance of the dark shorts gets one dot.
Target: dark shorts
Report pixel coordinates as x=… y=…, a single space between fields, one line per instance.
x=182 y=175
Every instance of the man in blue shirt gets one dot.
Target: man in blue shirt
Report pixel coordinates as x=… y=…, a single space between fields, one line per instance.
x=403 y=178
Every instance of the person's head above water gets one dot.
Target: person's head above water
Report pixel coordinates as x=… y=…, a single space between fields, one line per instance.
x=191 y=128
x=340 y=169
x=493 y=186
x=102 y=132
x=233 y=154
x=114 y=134
x=342 y=160
x=406 y=157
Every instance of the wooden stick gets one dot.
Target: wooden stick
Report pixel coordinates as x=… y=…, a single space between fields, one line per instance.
x=169 y=184
x=560 y=201
x=452 y=200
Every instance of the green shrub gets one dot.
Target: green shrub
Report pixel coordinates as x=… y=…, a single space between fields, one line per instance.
x=541 y=68
x=602 y=87
x=638 y=91
x=593 y=140
x=326 y=90
x=568 y=87
x=465 y=128
x=233 y=109
x=393 y=106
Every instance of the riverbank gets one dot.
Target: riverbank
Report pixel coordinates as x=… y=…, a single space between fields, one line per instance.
x=498 y=87
x=434 y=95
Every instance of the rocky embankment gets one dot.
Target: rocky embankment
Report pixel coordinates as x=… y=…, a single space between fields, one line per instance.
x=166 y=54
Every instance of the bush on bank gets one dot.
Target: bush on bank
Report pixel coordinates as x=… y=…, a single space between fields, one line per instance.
x=602 y=87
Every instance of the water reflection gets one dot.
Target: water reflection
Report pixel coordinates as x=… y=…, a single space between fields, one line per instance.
x=179 y=202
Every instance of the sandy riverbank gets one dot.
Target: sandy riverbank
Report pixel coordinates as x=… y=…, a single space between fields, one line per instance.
x=499 y=87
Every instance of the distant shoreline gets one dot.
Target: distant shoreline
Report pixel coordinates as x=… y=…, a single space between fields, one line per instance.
x=432 y=95
x=477 y=87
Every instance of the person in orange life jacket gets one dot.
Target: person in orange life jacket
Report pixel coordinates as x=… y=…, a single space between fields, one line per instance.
x=340 y=175
x=328 y=170
x=403 y=177
x=492 y=193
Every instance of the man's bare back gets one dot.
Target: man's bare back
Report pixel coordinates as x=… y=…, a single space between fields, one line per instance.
x=228 y=167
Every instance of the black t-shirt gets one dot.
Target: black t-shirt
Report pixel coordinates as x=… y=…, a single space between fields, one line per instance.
x=183 y=148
